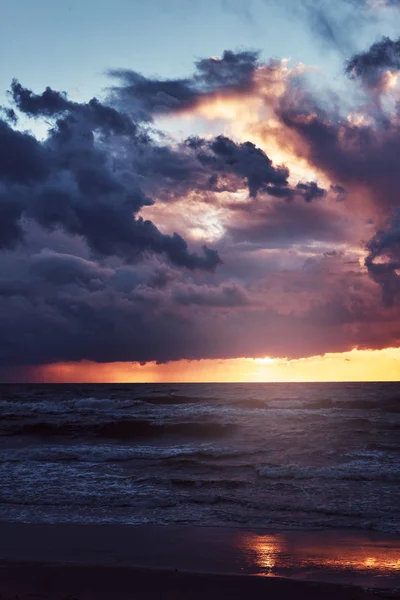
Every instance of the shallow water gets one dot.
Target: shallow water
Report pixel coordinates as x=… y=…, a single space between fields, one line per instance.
x=248 y=455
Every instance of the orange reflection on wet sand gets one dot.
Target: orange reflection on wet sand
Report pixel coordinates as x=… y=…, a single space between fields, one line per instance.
x=303 y=555
x=267 y=550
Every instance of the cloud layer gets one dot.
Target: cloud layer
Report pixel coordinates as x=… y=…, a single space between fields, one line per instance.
x=121 y=244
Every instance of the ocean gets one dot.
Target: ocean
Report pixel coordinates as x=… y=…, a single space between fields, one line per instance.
x=292 y=456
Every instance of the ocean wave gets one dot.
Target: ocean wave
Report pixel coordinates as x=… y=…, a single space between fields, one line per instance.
x=169 y=455
x=92 y=403
x=123 y=429
x=90 y=409
x=209 y=454
x=44 y=429
x=347 y=472
x=192 y=483
x=175 y=399
x=378 y=405
x=250 y=403
x=384 y=447
x=215 y=402
x=182 y=482
x=132 y=429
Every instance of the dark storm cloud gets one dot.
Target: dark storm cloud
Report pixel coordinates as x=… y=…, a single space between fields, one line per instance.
x=218 y=165
x=8 y=114
x=86 y=184
x=234 y=70
x=52 y=104
x=84 y=276
x=70 y=181
x=363 y=155
x=49 y=103
x=310 y=191
x=383 y=261
x=369 y=66
x=11 y=232
x=221 y=155
x=144 y=96
x=56 y=307
x=22 y=158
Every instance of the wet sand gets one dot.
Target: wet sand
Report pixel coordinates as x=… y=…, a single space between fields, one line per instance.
x=39 y=582
x=63 y=562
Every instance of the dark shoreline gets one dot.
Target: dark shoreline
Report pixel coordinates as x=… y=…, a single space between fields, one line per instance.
x=30 y=581
x=58 y=562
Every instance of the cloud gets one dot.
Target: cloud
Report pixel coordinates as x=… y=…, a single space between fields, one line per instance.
x=310 y=191
x=79 y=309
x=372 y=65
x=222 y=156
x=71 y=181
x=102 y=222
x=360 y=150
x=383 y=260
x=338 y=24
x=333 y=23
x=22 y=158
x=144 y=97
x=278 y=224
x=227 y=295
x=53 y=104
x=219 y=165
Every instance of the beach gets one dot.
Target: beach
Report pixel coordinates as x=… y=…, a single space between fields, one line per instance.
x=106 y=561
x=55 y=582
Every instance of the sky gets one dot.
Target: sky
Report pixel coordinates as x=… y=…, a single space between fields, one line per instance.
x=199 y=191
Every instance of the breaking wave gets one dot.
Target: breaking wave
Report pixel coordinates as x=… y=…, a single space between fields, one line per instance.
x=295 y=455
x=348 y=472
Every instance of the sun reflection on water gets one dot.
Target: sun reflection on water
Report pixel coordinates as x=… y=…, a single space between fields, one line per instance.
x=267 y=550
x=281 y=554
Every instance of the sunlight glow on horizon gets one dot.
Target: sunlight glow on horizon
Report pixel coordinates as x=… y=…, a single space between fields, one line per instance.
x=354 y=365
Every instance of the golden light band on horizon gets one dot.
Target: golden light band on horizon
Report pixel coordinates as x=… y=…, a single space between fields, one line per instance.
x=355 y=365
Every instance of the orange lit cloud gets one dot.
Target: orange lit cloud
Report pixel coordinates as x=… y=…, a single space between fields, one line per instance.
x=251 y=115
